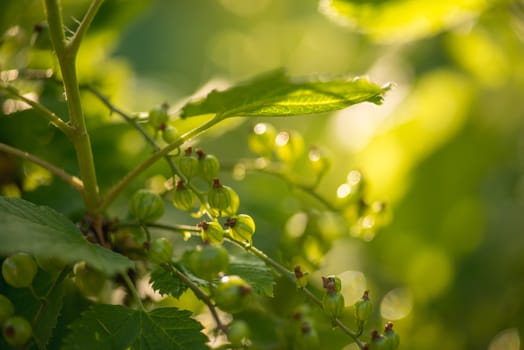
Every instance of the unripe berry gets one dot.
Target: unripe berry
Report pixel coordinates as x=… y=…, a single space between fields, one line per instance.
x=158 y=116
x=146 y=206
x=391 y=336
x=220 y=197
x=262 y=139
x=88 y=280
x=188 y=164
x=183 y=197
x=209 y=165
x=237 y=333
x=7 y=309
x=212 y=232
x=378 y=342
x=209 y=260
x=333 y=304
x=17 y=331
x=307 y=337
x=289 y=146
x=170 y=134
x=232 y=294
x=363 y=308
x=50 y=264
x=332 y=284
x=19 y=270
x=241 y=227
x=301 y=278
x=160 y=251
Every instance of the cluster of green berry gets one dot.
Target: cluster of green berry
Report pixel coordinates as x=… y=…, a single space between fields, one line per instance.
x=387 y=341
x=18 y=271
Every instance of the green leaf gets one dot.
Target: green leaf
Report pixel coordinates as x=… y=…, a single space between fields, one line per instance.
x=401 y=20
x=44 y=232
x=166 y=282
x=47 y=321
x=253 y=270
x=275 y=94
x=117 y=327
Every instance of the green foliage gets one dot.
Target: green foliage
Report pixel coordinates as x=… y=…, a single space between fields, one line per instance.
x=118 y=327
x=166 y=282
x=42 y=231
x=275 y=94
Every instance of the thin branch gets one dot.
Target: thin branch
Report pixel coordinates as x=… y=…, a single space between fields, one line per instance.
x=56 y=26
x=199 y=294
x=46 y=113
x=74 y=44
x=72 y=180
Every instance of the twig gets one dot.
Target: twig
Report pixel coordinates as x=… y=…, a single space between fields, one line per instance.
x=74 y=44
x=46 y=113
x=74 y=181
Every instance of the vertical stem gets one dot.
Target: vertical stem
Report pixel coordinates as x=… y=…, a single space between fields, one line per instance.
x=80 y=137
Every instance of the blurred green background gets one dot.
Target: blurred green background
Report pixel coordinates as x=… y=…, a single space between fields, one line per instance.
x=445 y=150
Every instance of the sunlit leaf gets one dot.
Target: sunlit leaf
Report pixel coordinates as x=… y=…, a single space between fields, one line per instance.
x=118 y=327
x=253 y=270
x=44 y=232
x=275 y=94
x=401 y=20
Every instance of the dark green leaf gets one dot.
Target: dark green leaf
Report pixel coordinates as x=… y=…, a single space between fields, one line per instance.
x=47 y=321
x=253 y=270
x=275 y=94
x=117 y=327
x=44 y=232
x=166 y=282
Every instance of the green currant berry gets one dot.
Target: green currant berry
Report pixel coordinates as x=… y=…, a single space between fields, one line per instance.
x=170 y=134
x=50 y=264
x=232 y=209
x=237 y=333
x=363 y=308
x=188 y=164
x=158 y=116
x=89 y=281
x=209 y=165
x=307 y=337
x=17 y=331
x=232 y=294
x=262 y=139
x=333 y=304
x=160 y=251
x=146 y=206
x=391 y=336
x=289 y=146
x=7 y=309
x=183 y=197
x=378 y=342
x=19 y=270
x=241 y=227
x=332 y=284
x=209 y=260
x=212 y=232
x=301 y=278
x=219 y=196
x=319 y=160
